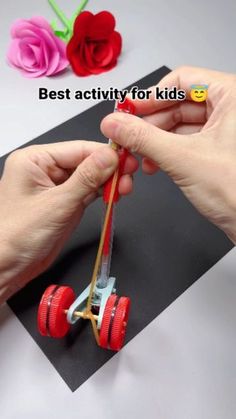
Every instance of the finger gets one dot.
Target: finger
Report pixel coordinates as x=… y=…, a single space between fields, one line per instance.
x=184 y=112
x=125 y=188
x=58 y=175
x=135 y=134
x=131 y=165
x=149 y=167
x=125 y=185
x=67 y=154
x=183 y=78
x=187 y=129
x=90 y=175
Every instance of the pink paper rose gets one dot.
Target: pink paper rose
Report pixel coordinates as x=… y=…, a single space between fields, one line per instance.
x=35 y=50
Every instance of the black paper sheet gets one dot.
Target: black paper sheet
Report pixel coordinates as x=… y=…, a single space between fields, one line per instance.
x=162 y=245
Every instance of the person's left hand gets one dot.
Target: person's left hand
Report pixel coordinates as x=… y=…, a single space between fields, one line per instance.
x=44 y=191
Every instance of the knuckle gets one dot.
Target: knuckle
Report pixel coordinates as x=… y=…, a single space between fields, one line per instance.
x=18 y=157
x=14 y=157
x=177 y=116
x=184 y=69
x=33 y=147
x=32 y=150
x=87 y=178
x=136 y=135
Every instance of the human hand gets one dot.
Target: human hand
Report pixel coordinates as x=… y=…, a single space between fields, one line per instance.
x=193 y=142
x=44 y=191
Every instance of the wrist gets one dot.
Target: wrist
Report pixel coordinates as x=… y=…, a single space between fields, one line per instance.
x=9 y=272
x=232 y=236
x=228 y=224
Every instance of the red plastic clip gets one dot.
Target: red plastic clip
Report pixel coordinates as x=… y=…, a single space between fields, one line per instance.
x=126 y=106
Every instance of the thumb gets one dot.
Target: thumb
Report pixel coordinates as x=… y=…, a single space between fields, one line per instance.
x=143 y=138
x=91 y=174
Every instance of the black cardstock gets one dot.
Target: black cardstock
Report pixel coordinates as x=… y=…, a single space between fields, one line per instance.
x=161 y=247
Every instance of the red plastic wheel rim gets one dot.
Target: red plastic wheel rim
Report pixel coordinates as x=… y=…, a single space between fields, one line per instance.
x=106 y=320
x=52 y=319
x=43 y=310
x=114 y=323
x=120 y=324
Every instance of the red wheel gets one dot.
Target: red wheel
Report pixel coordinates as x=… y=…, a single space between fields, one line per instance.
x=52 y=319
x=43 y=310
x=106 y=321
x=114 y=322
x=120 y=324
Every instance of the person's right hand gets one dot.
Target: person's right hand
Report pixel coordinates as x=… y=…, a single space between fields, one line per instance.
x=193 y=142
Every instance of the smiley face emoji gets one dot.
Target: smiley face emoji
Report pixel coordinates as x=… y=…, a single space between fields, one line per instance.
x=198 y=92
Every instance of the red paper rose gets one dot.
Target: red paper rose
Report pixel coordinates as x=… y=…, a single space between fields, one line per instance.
x=95 y=45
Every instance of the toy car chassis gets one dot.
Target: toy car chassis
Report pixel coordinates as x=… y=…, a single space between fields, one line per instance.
x=59 y=308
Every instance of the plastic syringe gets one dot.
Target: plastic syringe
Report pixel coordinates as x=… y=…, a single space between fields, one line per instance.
x=104 y=271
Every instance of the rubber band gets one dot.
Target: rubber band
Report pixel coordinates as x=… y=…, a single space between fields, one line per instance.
x=99 y=256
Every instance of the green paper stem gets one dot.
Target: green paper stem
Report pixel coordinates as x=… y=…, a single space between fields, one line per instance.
x=60 y=14
x=81 y=7
x=68 y=32
x=62 y=35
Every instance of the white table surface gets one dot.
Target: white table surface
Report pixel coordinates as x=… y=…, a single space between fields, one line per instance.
x=183 y=365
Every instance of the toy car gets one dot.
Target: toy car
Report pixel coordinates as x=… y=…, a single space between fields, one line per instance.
x=59 y=308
